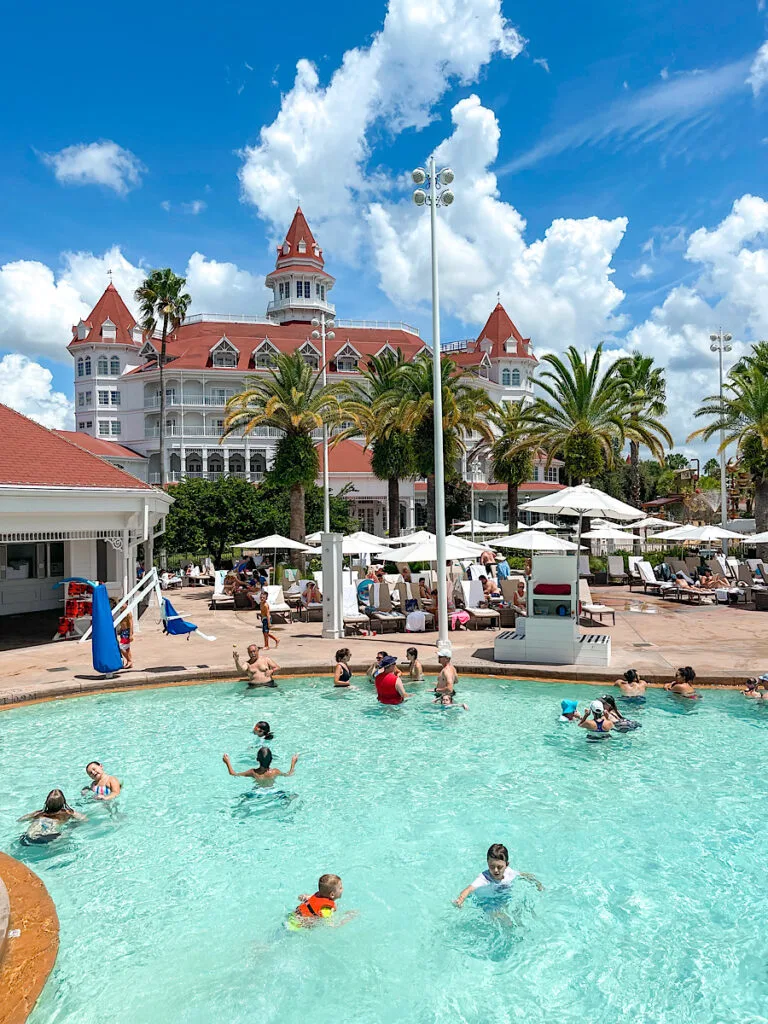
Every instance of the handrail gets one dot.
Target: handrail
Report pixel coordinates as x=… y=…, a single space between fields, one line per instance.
x=149 y=581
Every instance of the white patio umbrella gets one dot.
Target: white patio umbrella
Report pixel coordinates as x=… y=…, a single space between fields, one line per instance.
x=522 y=526
x=274 y=541
x=473 y=549
x=426 y=551
x=608 y=533
x=529 y=540
x=698 y=534
x=544 y=524
x=371 y=538
x=649 y=523
x=420 y=537
x=758 y=538
x=314 y=538
x=467 y=526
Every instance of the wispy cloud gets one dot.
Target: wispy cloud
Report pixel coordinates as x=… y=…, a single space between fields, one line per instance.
x=542 y=62
x=650 y=113
x=758 y=71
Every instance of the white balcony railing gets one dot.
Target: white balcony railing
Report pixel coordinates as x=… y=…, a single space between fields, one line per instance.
x=216 y=401
x=176 y=476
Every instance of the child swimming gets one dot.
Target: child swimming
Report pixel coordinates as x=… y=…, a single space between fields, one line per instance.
x=264 y=775
x=499 y=875
x=103 y=786
x=313 y=910
x=568 y=712
x=445 y=700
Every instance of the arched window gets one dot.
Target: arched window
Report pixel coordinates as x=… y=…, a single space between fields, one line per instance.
x=80 y=368
x=505 y=377
x=87 y=366
x=114 y=366
x=515 y=378
x=103 y=366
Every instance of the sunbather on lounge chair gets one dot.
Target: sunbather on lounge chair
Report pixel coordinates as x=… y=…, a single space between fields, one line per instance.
x=710 y=581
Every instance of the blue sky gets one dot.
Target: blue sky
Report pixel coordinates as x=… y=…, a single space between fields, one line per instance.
x=640 y=111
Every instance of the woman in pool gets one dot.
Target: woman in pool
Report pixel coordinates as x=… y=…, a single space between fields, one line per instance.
x=620 y=723
x=415 y=671
x=751 y=690
x=599 y=725
x=631 y=685
x=264 y=775
x=45 y=822
x=263 y=731
x=103 y=786
x=342 y=674
x=682 y=684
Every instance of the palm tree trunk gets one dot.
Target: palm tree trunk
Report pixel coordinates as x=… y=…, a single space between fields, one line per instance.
x=634 y=473
x=163 y=478
x=761 y=514
x=298 y=521
x=512 y=506
x=431 y=503
x=393 y=499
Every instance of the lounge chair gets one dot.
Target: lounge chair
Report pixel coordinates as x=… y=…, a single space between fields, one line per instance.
x=277 y=603
x=750 y=584
x=591 y=608
x=354 y=619
x=693 y=595
x=678 y=565
x=314 y=608
x=410 y=592
x=616 y=571
x=218 y=598
x=473 y=598
x=648 y=581
x=584 y=571
x=385 y=615
x=732 y=569
x=632 y=561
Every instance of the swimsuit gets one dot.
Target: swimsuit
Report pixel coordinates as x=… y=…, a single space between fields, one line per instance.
x=346 y=675
x=265 y=624
x=101 y=790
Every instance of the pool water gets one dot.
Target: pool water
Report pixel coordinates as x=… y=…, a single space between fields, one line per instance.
x=172 y=902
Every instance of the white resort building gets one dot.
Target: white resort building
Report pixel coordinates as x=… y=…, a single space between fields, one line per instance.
x=210 y=357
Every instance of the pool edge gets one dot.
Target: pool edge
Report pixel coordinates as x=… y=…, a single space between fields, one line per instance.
x=26 y=960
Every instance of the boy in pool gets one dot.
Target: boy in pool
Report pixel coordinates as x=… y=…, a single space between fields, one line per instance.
x=312 y=910
x=415 y=671
x=499 y=875
x=568 y=712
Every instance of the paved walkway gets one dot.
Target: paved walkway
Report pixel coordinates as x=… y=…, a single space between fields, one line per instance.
x=724 y=645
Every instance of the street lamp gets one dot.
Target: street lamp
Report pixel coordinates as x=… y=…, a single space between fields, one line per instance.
x=720 y=343
x=325 y=332
x=438 y=195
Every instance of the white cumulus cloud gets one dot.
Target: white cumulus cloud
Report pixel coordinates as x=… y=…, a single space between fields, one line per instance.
x=758 y=71
x=26 y=387
x=97 y=163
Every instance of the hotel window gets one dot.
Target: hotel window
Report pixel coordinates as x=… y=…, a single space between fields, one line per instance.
x=317 y=290
x=225 y=356
x=299 y=289
x=310 y=357
x=322 y=292
x=114 y=366
x=505 y=378
x=80 y=368
x=81 y=399
x=281 y=288
x=88 y=397
x=104 y=427
x=515 y=378
x=87 y=366
x=81 y=426
x=114 y=397
x=346 y=364
x=89 y=424
x=552 y=475
x=103 y=398
x=265 y=358
x=307 y=289
x=116 y=427
x=103 y=366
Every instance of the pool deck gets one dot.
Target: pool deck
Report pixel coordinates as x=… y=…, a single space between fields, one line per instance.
x=724 y=644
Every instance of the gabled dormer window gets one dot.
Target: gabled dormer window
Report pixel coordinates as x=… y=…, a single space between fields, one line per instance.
x=136 y=334
x=265 y=356
x=148 y=350
x=347 y=360
x=310 y=356
x=224 y=354
x=82 y=331
x=108 y=330
x=302 y=246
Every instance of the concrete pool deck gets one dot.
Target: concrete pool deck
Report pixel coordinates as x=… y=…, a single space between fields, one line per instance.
x=724 y=644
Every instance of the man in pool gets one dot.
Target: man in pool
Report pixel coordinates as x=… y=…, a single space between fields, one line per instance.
x=103 y=786
x=499 y=876
x=259 y=669
x=314 y=910
x=448 y=677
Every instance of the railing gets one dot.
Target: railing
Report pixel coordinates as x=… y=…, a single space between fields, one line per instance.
x=176 y=476
x=456 y=346
x=225 y=318
x=381 y=325
x=211 y=400
x=279 y=304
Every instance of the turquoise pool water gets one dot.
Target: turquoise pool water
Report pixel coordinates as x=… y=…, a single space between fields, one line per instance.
x=651 y=847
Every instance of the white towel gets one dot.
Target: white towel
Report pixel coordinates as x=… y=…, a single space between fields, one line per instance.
x=415 y=622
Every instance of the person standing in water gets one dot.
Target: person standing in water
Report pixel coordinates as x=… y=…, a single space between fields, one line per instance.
x=342 y=673
x=259 y=669
x=568 y=712
x=682 y=684
x=263 y=731
x=389 y=685
x=599 y=725
x=631 y=685
x=103 y=786
x=448 y=677
x=499 y=875
x=415 y=671
x=264 y=775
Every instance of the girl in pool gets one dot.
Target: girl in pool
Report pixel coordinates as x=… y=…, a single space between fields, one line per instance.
x=752 y=692
x=415 y=671
x=568 y=711
x=45 y=822
x=620 y=723
x=264 y=775
x=103 y=786
x=445 y=700
x=631 y=685
x=682 y=684
x=599 y=725
x=342 y=674
x=263 y=731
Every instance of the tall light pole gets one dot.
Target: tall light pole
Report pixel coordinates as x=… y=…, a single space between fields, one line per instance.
x=720 y=343
x=325 y=325
x=438 y=195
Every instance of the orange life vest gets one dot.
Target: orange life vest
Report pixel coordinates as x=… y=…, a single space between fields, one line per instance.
x=316 y=906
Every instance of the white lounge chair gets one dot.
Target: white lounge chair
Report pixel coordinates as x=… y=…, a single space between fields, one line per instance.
x=616 y=570
x=592 y=608
x=648 y=581
x=584 y=571
x=632 y=561
x=354 y=619
x=385 y=614
x=277 y=603
x=473 y=598
x=218 y=598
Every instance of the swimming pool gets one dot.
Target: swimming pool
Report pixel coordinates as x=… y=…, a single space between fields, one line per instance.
x=650 y=847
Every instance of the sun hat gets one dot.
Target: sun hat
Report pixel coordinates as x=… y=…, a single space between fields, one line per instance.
x=568 y=706
x=388 y=662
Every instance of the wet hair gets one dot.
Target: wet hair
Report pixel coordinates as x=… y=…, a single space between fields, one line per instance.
x=687 y=673
x=88 y=766
x=497 y=851
x=264 y=757
x=342 y=653
x=631 y=675
x=327 y=882
x=55 y=802
x=264 y=730
x=412 y=652
x=609 y=702
x=446 y=698
x=752 y=683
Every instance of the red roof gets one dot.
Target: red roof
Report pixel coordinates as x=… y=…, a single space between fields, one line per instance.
x=498 y=330
x=109 y=307
x=347 y=457
x=33 y=456
x=97 y=446
x=190 y=347
x=298 y=232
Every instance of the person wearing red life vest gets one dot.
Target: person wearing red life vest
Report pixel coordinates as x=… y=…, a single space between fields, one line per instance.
x=389 y=685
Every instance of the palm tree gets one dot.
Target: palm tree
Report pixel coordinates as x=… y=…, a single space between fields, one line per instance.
x=392 y=457
x=511 y=452
x=580 y=414
x=161 y=296
x=290 y=398
x=742 y=415
x=465 y=411
x=646 y=397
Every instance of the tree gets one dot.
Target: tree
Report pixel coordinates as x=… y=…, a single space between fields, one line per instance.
x=161 y=296
x=290 y=398
x=580 y=413
x=712 y=468
x=465 y=411
x=392 y=457
x=676 y=461
x=511 y=452
x=742 y=415
x=646 y=401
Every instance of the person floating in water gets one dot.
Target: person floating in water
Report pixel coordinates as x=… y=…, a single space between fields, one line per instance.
x=499 y=875
x=264 y=775
x=415 y=671
x=46 y=823
x=598 y=725
x=631 y=685
x=445 y=700
x=682 y=684
x=342 y=673
x=320 y=908
x=568 y=711
x=620 y=723
x=263 y=731
x=103 y=786
x=259 y=669
x=389 y=685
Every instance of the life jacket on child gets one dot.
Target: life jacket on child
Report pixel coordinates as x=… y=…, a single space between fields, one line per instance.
x=316 y=906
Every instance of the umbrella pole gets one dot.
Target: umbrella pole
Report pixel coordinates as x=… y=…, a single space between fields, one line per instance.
x=578 y=556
